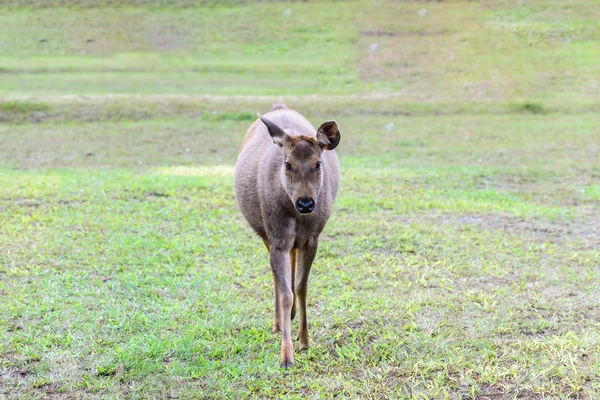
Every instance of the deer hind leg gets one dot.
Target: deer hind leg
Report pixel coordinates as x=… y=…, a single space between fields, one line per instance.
x=293 y=263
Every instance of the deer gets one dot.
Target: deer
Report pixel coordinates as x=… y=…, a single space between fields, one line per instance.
x=286 y=180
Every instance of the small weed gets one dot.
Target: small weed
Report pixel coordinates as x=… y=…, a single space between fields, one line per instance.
x=529 y=108
x=22 y=107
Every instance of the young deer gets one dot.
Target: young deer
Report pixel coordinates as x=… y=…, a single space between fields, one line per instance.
x=286 y=179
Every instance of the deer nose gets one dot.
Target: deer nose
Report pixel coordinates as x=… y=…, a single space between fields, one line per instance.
x=305 y=205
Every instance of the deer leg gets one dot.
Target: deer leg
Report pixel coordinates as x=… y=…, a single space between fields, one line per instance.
x=280 y=264
x=306 y=256
x=293 y=262
x=277 y=314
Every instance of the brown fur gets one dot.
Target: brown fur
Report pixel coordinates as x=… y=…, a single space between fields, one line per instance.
x=267 y=193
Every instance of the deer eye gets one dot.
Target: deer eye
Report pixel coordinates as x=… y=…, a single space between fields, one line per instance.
x=288 y=166
x=318 y=167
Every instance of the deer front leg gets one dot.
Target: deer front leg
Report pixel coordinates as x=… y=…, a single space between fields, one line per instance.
x=280 y=264
x=277 y=314
x=306 y=256
x=293 y=263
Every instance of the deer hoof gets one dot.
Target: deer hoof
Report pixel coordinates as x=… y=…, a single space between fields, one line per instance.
x=286 y=359
x=275 y=329
x=303 y=347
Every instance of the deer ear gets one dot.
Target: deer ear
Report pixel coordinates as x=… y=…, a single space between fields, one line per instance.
x=328 y=135
x=276 y=132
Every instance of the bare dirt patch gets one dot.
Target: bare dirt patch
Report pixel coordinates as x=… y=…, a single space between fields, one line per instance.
x=382 y=33
x=586 y=229
x=494 y=392
x=162 y=39
x=541 y=231
x=14 y=374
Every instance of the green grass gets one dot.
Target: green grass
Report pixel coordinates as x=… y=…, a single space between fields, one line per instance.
x=490 y=52
x=462 y=259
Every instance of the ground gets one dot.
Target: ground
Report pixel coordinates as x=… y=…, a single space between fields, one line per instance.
x=462 y=257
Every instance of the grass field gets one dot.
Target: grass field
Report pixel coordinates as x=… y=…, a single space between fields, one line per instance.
x=462 y=260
